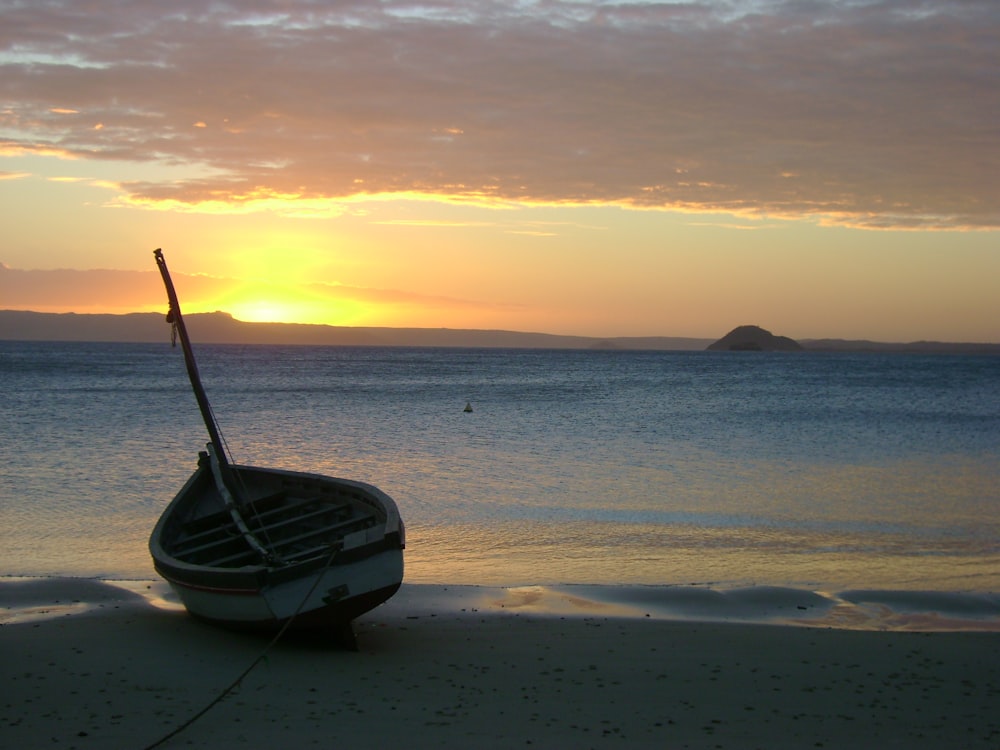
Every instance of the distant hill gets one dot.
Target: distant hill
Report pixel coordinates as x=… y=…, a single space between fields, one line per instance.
x=222 y=328
x=757 y=339
x=754 y=339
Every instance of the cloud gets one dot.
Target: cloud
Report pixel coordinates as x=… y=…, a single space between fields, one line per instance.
x=874 y=113
x=65 y=290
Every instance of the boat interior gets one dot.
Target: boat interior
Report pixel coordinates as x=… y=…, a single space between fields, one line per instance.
x=295 y=523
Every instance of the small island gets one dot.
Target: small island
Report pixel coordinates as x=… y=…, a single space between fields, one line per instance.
x=754 y=339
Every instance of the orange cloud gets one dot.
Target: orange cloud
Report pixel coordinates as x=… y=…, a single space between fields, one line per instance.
x=838 y=113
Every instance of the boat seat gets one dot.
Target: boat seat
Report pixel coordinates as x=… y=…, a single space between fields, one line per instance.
x=300 y=527
x=285 y=546
x=361 y=521
x=204 y=526
x=228 y=535
x=266 y=506
x=282 y=522
x=211 y=523
x=223 y=529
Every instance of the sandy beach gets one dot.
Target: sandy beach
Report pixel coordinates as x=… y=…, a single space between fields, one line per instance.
x=87 y=664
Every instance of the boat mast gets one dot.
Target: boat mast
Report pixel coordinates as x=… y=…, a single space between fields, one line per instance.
x=174 y=318
x=217 y=454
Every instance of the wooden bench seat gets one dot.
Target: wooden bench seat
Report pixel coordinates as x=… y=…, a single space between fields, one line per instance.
x=279 y=545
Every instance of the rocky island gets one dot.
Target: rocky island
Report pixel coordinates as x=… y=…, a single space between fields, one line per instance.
x=754 y=339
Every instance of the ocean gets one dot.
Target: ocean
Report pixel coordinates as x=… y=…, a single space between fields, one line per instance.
x=811 y=470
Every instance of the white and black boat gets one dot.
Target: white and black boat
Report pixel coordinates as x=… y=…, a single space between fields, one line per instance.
x=254 y=547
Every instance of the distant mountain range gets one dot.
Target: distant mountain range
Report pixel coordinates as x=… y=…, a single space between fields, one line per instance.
x=222 y=328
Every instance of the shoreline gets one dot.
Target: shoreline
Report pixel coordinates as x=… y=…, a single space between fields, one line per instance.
x=441 y=666
x=33 y=598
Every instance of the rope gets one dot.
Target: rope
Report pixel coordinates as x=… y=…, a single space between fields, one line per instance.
x=260 y=657
x=174 y=332
x=244 y=490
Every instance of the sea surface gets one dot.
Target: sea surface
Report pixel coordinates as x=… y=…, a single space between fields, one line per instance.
x=808 y=470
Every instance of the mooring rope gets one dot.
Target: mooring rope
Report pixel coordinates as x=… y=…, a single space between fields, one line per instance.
x=260 y=657
x=244 y=490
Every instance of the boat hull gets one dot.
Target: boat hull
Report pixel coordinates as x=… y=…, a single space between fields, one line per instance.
x=339 y=550
x=271 y=607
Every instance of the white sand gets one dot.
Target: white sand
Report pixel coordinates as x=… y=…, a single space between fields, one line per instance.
x=90 y=665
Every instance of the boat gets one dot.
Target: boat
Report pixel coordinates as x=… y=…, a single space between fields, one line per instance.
x=265 y=548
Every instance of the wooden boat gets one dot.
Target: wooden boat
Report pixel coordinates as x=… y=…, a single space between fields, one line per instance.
x=253 y=547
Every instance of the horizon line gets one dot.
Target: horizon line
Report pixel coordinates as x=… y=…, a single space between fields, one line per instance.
x=430 y=329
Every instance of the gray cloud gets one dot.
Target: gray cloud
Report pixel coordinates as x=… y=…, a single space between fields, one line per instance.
x=877 y=113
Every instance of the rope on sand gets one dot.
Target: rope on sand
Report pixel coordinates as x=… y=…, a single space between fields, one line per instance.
x=260 y=657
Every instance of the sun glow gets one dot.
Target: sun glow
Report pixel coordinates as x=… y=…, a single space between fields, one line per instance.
x=263 y=311
x=304 y=310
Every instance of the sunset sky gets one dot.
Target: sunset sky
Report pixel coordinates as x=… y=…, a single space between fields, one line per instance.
x=819 y=168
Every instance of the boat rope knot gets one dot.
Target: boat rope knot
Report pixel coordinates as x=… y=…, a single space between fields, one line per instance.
x=172 y=322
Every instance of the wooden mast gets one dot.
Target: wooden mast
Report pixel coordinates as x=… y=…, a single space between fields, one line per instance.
x=217 y=453
x=174 y=318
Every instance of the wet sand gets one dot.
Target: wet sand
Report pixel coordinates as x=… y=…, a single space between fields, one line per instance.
x=91 y=665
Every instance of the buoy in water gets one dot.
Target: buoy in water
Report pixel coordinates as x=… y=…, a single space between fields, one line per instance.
x=468 y=408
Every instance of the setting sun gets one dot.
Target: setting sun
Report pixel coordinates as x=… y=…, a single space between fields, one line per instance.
x=302 y=308
x=264 y=311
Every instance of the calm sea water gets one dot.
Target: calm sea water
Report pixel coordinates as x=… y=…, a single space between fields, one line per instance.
x=817 y=470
